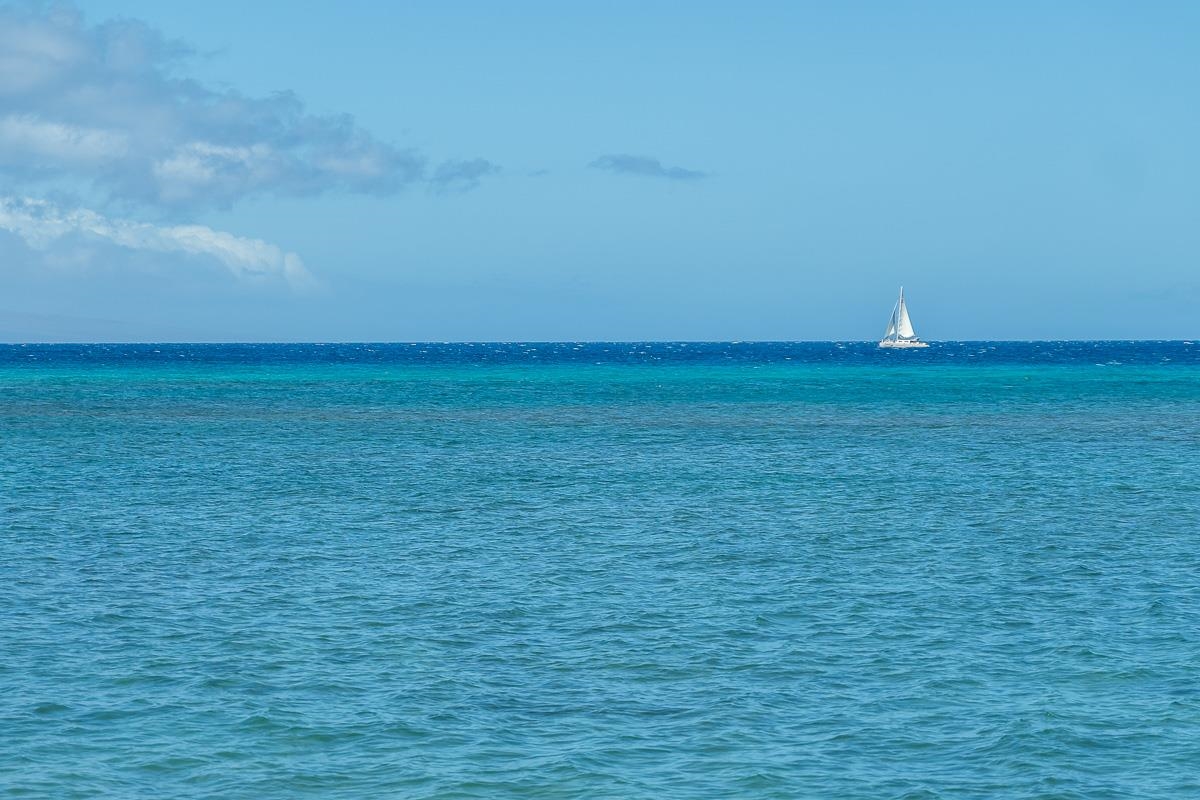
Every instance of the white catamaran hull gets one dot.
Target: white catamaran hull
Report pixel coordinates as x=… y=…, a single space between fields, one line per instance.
x=902 y=343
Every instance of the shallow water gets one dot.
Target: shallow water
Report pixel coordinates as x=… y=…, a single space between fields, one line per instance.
x=605 y=570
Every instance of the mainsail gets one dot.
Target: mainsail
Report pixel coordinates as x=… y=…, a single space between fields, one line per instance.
x=905 y=328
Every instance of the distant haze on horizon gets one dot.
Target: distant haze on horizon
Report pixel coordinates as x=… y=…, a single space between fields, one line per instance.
x=628 y=171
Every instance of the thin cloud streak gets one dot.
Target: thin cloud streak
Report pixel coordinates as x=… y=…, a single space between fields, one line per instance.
x=646 y=166
x=42 y=225
x=461 y=176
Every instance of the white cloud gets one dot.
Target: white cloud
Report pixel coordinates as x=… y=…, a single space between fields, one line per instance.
x=26 y=135
x=198 y=168
x=105 y=111
x=41 y=224
x=104 y=105
x=34 y=51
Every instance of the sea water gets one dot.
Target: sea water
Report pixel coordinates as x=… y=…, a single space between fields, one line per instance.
x=683 y=570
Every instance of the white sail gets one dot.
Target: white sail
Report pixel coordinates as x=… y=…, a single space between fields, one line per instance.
x=905 y=328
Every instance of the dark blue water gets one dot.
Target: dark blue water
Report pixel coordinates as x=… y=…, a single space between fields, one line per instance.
x=600 y=570
x=672 y=353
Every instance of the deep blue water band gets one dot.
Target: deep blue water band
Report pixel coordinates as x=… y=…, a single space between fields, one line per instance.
x=471 y=353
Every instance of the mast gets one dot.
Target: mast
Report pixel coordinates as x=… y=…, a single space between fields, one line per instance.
x=897 y=315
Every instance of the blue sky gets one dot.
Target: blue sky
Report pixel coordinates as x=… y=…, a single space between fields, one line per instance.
x=548 y=171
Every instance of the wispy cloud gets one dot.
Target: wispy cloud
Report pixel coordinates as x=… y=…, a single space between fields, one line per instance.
x=461 y=175
x=625 y=164
x=104 y=105
x=43 y=225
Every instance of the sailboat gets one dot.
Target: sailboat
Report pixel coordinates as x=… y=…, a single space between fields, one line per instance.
x=900 y=331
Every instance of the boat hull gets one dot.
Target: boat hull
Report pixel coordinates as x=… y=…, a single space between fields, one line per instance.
x=900 y=344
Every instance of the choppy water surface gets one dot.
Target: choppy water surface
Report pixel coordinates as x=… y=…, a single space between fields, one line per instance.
x=603 y=571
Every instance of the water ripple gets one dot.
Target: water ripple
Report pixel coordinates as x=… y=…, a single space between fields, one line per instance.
x=691 y=570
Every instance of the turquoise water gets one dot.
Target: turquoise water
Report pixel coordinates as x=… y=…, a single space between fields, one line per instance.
x=602 y=571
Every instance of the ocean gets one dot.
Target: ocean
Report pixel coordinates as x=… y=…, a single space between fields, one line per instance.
x=648 y=570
